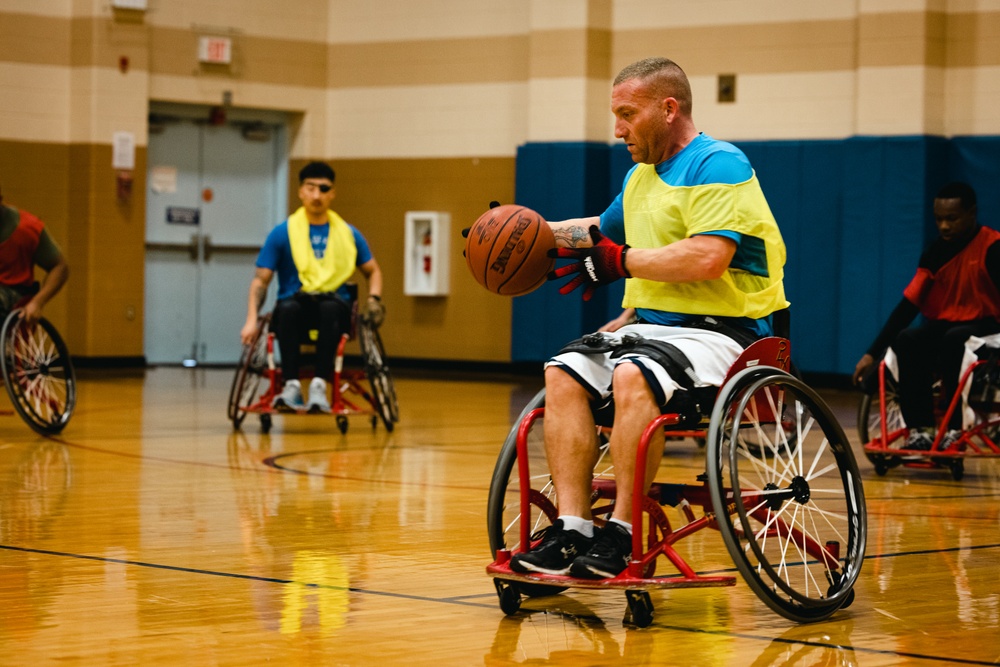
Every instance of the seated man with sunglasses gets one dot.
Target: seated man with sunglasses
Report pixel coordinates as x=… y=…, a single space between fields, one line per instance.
x=314 y=252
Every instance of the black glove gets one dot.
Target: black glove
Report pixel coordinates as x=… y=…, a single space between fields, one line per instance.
x=375 y=311
x=602 y=264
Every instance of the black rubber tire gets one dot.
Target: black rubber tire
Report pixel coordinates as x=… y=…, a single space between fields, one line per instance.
x=814 y=488
x=38 y=373
x=249 y=371
x=377 y=371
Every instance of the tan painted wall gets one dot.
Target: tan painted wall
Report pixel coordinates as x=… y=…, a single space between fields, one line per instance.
x=423 y=105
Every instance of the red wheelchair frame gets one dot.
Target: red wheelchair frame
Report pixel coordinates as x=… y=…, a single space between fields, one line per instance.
x=750 y=407
x=887 y=448
x=348 y=395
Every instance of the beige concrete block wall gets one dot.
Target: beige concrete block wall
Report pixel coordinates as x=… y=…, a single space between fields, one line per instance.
x=423 y=106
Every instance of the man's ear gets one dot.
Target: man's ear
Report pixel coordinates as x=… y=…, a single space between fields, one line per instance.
x=670 y=107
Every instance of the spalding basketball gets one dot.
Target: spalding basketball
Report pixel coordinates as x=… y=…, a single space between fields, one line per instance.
x=507 y=250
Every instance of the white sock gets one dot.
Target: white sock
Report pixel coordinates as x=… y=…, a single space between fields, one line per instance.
x=627 y=526
x=583 y=526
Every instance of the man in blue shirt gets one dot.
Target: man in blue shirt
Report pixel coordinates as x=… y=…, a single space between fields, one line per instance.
x=314 y=252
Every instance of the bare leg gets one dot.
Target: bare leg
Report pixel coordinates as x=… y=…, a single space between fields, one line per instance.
x=570 y=441
x=634 y=409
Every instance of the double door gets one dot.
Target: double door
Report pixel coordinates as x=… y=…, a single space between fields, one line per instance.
x=214 y=190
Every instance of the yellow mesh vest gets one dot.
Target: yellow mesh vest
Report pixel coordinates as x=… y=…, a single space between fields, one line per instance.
x=657 y=214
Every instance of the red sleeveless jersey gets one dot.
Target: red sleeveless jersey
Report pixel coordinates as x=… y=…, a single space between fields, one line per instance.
x=17 y=252
x=961 y=290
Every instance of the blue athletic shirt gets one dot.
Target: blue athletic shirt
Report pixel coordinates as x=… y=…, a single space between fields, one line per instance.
x=276 y=255
x=703 y=161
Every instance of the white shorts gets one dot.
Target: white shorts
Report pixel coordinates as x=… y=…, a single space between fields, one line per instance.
x=711 y=355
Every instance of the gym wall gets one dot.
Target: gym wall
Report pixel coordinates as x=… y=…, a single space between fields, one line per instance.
x=852 y=113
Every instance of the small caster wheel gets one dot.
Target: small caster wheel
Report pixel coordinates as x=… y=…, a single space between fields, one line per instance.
x=640 y=608
x=374 y=422
x=342 y=423
x=834 y=589
x=701 y=442
x=265 y=423
x=957 y=469
x=510 y=598
x=881 y=467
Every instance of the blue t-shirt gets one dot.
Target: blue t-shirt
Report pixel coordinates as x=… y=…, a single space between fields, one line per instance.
x=276 y=255
x=704 y=161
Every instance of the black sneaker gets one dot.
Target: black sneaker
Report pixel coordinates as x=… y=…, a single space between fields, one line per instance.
x=556 y=552
x=609 y=556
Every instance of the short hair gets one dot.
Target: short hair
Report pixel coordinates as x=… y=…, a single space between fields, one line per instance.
x=958 y=190
x=670 y=79
x=316 y=170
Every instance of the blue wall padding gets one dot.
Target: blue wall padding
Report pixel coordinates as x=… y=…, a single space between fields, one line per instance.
x=559 y=181
x=855 y=215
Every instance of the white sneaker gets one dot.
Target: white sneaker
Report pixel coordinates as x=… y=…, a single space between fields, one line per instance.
x=317 y=396
x=290 y=398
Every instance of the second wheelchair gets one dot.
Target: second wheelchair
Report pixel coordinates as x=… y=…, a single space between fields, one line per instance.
x=259 y=380
x=883 y=431
x=38 y=373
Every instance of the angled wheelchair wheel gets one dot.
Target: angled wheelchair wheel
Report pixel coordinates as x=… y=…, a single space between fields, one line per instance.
x=377 y=370
x=503 y=512
x=249 y=371
x=38 y=373
x=870 y=423
x=794 y=522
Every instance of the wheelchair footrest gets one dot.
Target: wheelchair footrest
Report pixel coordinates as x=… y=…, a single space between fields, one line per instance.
x=501 y=570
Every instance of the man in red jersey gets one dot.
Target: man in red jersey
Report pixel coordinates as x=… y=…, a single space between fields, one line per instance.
x=957 y=290
x=24 y=244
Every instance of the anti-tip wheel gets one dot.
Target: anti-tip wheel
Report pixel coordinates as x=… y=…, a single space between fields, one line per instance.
x=640 y=608
x=510 y=597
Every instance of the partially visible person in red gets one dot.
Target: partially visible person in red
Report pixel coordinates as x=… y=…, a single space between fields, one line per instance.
x=957 y=290
x=24 y=244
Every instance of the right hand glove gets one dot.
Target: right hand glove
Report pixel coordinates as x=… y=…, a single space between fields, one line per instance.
x=601 y=264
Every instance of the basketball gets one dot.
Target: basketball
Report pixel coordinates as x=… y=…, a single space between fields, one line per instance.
x=507 y=250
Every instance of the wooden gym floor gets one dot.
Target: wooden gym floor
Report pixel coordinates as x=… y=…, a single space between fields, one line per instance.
x=151 y=533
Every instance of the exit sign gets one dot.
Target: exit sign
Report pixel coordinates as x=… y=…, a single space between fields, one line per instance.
x=215 y=50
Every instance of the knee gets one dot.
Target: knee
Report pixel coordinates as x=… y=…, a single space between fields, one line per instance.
x=630 y=385
x=561 y=386
x=954 y=340
x=287 y=310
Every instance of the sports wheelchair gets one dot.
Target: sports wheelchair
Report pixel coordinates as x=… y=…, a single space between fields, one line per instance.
x=38 y=372
x=781 y=484
x=884 y=433
x=348 y=393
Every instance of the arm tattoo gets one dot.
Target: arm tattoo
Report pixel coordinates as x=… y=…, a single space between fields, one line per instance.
x=573 y=237
x=260 y=293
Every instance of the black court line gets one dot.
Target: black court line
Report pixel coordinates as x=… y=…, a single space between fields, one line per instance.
x=231 y=575
x=270 y=467
x=462 y=601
